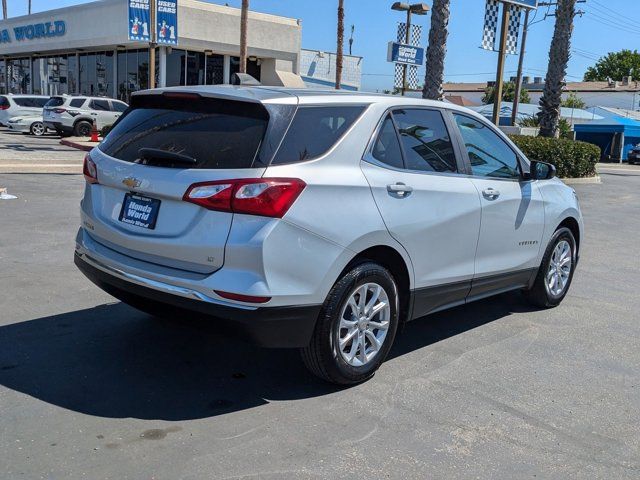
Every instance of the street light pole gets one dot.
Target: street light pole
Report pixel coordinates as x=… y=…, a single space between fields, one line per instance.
x=152 y=44
x=418 y=9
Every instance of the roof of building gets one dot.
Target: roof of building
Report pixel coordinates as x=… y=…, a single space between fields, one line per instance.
x=531 y=110
x=602 y=87
x=611 y=125
x=460 y=100
x=620 y=112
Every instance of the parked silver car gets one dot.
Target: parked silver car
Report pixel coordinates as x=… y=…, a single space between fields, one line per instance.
x=72 y=115
x=28 y=124
x=318 y=219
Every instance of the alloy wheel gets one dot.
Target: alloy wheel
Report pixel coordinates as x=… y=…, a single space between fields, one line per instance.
x=364 y=322
x=37 y=129
x=559 y=268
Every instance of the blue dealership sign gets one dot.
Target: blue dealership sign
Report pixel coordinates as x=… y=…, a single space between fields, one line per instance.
x=139 y=20
x=532 y=4
x=167 y=22
x=407 y=54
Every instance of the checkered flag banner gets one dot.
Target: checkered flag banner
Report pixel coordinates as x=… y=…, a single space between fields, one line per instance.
x=412 y=70
x=514 y=29
x=489 y=32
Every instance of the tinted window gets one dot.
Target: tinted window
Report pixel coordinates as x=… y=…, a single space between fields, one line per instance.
x=217 y=133
x=77 y=102
x=100 y=105
x=54 y=102
x=119 y=106
x=387 y=147
x=4 y=102
x=426 y=142
x=34 y=102
x=314 y=130
x=489 y=155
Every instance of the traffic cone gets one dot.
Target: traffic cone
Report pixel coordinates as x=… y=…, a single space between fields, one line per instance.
x=94 y=133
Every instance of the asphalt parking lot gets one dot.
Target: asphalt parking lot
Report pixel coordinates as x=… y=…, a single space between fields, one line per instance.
x=27 y=153
x=90 y=388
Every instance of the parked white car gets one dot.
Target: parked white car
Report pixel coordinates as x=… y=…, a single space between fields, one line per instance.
x=20 y=105
x=32 y=124
x=73 y=115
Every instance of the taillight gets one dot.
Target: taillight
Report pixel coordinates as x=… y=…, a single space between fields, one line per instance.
x=59 y=110
x=4 y=107
x=267 y=197
x=90 y=170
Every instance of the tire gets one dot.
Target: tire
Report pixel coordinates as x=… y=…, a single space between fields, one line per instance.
x=324 y=357
x=82 y=128
x=38 y=129
x=542 y=294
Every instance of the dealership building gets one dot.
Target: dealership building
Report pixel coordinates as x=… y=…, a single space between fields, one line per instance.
x=88 y=49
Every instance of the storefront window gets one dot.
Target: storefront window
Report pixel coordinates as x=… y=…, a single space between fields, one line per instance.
x=175 y=68
x=234 y=67
x=195 y=68
x=215 y=69
x=18 y=75
x=72 y=80
x=3 y=76
x=50 y=75
x=133 y=72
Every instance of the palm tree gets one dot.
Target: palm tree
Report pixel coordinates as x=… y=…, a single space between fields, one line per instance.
x=557 y=69
x=244 y=15
x=436 y=51
x=340 y=43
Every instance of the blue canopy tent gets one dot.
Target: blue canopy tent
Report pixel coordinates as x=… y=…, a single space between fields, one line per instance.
x=615 y=136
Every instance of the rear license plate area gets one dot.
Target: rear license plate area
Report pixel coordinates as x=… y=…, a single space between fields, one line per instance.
x=139 y=211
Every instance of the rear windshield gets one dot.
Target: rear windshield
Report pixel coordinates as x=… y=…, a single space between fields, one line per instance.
x=55 y=102
x=314 y=130
x=218 y=134
x=35 y=102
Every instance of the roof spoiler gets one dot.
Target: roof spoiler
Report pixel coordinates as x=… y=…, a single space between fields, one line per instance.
x=244 y=79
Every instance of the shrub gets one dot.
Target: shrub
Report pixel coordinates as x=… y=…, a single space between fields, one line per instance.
x=105 y=130
x=572 y=159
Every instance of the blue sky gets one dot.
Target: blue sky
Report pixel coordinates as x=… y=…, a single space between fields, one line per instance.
x=607 y=25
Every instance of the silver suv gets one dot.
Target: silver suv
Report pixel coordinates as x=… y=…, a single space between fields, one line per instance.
x=69 y=115
x=317 y=219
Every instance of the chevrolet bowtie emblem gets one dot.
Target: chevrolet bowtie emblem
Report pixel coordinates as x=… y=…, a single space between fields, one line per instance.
x=131 y=182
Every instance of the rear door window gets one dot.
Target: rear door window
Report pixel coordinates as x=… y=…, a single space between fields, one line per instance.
x=102 y=105
x=425 y=140
x=314 y=130
x=387 y=147
x=118 y=106
x=31 y=102
x=218 y=134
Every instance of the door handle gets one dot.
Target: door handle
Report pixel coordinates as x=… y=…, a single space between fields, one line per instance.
x=490 y=193
x=399 y=189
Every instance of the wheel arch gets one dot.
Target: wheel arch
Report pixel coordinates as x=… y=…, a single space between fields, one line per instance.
x=392 y=260
x=574 y=226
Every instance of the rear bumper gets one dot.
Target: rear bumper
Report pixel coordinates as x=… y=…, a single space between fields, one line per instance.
x=274 y=327
x=58 y=126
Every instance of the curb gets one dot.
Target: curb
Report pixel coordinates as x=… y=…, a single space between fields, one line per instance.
x=582 y=181
x=79 y=146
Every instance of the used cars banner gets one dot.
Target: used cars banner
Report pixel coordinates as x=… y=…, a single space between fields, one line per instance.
x=167 y=24
x=139 y=20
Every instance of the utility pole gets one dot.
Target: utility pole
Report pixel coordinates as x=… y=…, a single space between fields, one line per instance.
x=405 y=66
x=29 y=7
x=152 y=44
x=353 y=27
x=4 y=9
x=516 y=99
x=497 y=98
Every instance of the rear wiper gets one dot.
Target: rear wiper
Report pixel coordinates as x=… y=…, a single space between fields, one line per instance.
x=147 y=154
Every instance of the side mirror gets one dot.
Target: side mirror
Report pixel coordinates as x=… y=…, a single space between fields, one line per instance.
x=542 y=170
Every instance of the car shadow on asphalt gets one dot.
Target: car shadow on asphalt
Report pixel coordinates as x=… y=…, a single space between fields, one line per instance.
x=113 y=361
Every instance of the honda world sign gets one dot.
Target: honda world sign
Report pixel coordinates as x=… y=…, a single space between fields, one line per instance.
x=407 y=54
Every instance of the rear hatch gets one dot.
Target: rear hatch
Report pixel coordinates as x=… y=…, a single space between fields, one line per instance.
x=52 y=111
x=163 y=145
